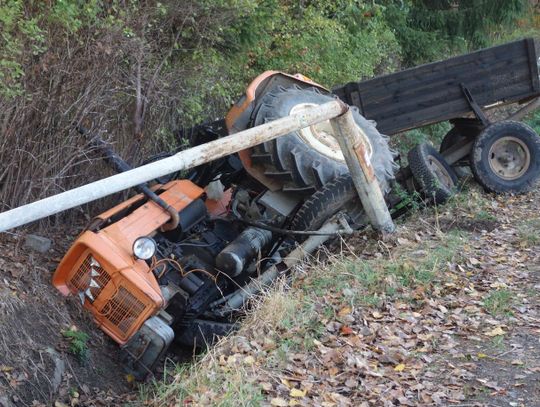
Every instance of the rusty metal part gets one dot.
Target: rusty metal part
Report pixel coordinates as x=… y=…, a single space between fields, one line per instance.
x=173 y=222
x=509 y=158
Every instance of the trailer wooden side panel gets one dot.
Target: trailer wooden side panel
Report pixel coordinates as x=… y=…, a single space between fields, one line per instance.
x=432 y=93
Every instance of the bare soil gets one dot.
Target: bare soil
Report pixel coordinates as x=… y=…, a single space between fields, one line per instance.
x=36 y=364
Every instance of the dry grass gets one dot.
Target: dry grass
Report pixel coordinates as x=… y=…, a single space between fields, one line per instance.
x=131 y=89
x=229 y=381
x=10 y=303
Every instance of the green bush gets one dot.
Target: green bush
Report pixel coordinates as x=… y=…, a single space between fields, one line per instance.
x=433 y=29
x=534 y=121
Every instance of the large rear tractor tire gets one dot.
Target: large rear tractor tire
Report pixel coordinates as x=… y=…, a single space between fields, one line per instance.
x=303 y=161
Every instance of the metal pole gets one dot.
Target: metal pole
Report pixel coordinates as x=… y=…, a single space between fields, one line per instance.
x=350 y=138
x=183 y=160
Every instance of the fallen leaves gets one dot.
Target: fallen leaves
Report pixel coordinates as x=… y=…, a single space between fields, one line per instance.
x=279 y=402
x=297 y=392
x=498 y=331
x=344 y=311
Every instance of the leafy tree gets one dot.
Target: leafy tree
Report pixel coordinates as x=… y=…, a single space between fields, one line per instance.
x=430 y=28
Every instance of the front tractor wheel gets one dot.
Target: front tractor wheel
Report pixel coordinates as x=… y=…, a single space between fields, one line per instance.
x=505 y=157
x=304 y=161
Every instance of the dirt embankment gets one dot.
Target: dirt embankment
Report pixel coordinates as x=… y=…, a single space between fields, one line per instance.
x=40 y=364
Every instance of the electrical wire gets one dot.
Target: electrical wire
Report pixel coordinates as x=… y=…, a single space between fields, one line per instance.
x=177 y=266
x=194 y=244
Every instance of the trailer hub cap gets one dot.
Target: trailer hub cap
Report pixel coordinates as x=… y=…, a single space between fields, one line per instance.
x=509 y=158
x=321 y=138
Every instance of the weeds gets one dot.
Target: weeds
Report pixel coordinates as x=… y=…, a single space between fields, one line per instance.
x=410 y=201
x=527 y=232
x=368 y=282
x=78 y=344
x=483 y=215
x=499 y=302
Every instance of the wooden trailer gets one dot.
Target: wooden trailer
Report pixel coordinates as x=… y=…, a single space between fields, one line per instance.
x=503 y=156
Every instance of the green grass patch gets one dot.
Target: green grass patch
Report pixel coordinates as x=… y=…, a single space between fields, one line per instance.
x=528 y=233
x=499 y=302
x=368 y=282
x=533 y=120
x=484 y=215
x=78 y=344
x=497 y=342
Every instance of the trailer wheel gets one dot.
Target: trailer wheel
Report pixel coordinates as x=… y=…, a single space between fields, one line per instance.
x=338 y=194
x=437 y=180
x=305 y=160
x=506 y=157
x=462 y=167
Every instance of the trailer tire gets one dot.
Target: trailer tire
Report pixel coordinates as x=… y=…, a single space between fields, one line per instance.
x=437 y=180
x=505 y=157
x=338 y=194
x=462 y=167
x=303 y=161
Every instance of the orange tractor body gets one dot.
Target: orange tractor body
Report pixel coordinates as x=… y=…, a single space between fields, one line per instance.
x=119 y=290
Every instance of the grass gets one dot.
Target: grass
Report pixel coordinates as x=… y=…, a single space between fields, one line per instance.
x=527 y=232
x=533 y=120
x=369 y=282
x=499 y=302
x=497 y=342
x=230 y=382
x=484 y=215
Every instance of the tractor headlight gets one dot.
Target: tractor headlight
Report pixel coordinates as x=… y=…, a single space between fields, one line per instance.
x=144 y=248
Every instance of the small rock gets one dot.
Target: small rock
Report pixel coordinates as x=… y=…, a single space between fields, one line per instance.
x=38 y=243
x=59 y=369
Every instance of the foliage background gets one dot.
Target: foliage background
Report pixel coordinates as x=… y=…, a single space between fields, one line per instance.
x=136 y=72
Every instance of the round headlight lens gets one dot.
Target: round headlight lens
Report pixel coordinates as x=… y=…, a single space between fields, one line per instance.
x=144 y=248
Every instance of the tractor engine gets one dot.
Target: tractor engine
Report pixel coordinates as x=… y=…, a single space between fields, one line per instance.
x=147 y=286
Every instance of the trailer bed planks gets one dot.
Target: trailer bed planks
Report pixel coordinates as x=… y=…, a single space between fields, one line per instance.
x=432 y=93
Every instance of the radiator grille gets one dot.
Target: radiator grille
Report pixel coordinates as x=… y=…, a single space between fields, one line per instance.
x=81 y=279
x=123 y=310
